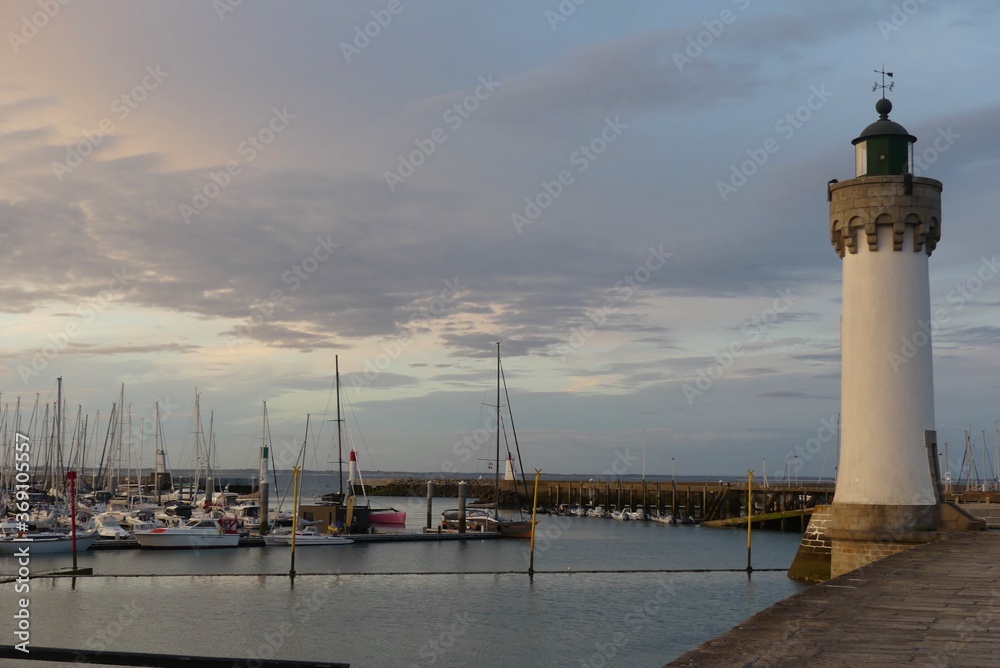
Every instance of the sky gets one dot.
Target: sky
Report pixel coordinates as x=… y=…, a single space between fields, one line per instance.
x=225 y=197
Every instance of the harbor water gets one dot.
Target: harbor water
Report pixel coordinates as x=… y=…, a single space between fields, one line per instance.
x=448 y=603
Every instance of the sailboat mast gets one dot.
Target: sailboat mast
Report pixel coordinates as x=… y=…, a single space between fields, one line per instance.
x=340 y=444
x=59 y=426
x=157 y=481
x=59 y=433
x=496 y=472
x=264 y=454
x=197 y=446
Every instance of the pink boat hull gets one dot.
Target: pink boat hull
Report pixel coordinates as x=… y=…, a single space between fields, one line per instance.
x=388 y=517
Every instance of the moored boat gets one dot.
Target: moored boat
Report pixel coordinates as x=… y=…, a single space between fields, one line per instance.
x=109 y=528
x=204 y=532
x=42 y=542
x=638 y=514
x=308 y=537
x=476 y=519
x=621 y=515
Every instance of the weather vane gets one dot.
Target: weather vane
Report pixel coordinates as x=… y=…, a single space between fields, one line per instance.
x=883 y=85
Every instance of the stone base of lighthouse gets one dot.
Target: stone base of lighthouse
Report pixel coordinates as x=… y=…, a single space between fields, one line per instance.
x=842 y=537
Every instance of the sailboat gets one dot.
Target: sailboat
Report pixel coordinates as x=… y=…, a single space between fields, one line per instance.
x=508 y=528
x=387 y=517
x=356 y=514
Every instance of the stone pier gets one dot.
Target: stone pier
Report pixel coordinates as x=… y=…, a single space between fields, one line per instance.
x=935 y=604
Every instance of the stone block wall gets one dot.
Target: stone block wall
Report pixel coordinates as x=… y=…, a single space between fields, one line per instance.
x=848 y=555
x=812 y=561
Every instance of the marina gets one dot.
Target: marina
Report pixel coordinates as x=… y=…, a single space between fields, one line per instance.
x=733 y=446
x=666 y=587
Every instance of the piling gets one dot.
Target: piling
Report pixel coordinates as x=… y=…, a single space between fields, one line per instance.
x=263 y=502
x=749 y=516
x=461 y=506
x=295 y=519
x=534 y=522
x=430 y=499
x=209 y=491
x=72 y=511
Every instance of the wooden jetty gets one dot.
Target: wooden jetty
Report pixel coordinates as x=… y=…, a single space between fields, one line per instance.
x=932 y=605
x=787 y=520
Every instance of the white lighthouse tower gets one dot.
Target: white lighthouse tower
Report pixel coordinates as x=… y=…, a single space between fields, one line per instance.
x=885 y=224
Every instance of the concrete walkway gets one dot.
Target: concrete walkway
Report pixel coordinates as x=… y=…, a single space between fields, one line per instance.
x=935 y=605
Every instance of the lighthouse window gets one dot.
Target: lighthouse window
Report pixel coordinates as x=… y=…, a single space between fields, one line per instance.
x=861 y=158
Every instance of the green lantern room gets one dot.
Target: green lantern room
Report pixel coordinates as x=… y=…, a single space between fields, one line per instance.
x=884 y=148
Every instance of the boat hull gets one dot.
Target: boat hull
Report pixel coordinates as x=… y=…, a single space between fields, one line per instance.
x=514 y=528
x=47 y=545
x=177 y=539
x=185 y=541
x=387 y=518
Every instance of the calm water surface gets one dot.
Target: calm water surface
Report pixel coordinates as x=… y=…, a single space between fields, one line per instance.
x=338 y=610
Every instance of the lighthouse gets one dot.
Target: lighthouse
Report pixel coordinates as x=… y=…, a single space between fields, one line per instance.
x=885 y=224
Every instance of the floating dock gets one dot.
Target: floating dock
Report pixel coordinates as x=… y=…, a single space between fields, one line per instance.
x=388 y=537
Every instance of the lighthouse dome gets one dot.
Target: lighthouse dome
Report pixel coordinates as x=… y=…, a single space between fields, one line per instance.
x=884 y=147
x=883 y=126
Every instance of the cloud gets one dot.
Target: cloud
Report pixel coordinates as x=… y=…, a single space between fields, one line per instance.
x=789 y=394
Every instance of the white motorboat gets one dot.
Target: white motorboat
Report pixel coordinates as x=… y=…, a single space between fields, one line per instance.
x=199 y=532
x=663 y=519
x=637 y=514
x=597 y=511
x=476 y=519
x=308 y=536
x=621 y=515
x=109 y=528
x=42 y=542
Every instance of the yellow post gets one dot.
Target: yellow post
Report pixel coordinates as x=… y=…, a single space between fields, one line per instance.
x=749 y=516
x=534 y=513
x=295 y=516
